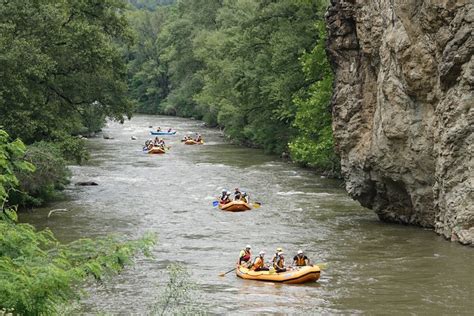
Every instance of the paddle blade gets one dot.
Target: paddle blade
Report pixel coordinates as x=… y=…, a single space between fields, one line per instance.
x=256 y=205
x=215 y=203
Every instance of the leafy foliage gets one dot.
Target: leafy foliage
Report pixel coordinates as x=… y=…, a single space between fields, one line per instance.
x=150 y=4
x=37 y=273
x=61 y=66
x=148 y=75
x=73 y=149
x=11 y=161
x=178 y=297
x=50 y=176
x=314 y=144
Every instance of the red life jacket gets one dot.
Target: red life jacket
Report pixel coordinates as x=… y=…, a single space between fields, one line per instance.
x=246 y=257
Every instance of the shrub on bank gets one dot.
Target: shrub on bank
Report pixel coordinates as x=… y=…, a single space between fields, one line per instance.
x=49 y=178
x=73 y=149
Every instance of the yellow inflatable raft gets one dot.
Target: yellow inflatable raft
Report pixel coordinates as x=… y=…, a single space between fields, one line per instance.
x=299 y=275
x=193 y=142
x=235 y=206
x=156 y=150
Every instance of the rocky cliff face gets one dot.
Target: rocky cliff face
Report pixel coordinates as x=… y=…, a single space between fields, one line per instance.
x=403 y=109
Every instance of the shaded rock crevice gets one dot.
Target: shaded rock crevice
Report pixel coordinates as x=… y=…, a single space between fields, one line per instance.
x=403 y=109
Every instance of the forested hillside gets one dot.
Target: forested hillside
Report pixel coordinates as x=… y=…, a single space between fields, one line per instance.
x=258 y=69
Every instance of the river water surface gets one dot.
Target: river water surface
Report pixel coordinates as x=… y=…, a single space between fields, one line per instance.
x=372 y=267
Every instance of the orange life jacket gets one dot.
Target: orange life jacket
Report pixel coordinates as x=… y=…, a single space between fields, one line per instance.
x=279 y=263
x=300 y=261
x=259 y=263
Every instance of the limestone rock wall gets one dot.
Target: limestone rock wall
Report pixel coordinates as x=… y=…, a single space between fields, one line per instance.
x=403 y=109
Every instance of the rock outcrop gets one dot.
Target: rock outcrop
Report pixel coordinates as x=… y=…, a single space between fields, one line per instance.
x=403 y=109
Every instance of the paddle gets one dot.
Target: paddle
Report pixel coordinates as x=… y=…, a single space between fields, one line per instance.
x=224 y=273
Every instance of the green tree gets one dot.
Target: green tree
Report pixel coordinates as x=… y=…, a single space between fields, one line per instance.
x=253 y=69
x=187 y=19
x=57 y=59
x=11 y=161
x=148 y=75
x=49 y=177
x=314 y=144
x=150 y=4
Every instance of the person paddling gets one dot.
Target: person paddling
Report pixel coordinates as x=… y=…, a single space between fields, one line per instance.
x=259 y=262
x=225 y=197
x=301 y=260
x=148 y=144
x=245 y=255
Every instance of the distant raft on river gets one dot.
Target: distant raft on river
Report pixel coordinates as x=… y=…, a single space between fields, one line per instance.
x=193 y=142
x=162 y=133
x=235 y=206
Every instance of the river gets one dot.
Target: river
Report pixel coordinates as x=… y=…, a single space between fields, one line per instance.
x=372 y=267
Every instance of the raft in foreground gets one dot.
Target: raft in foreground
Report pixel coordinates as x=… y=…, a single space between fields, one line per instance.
x=300 y=275
x=235 y=206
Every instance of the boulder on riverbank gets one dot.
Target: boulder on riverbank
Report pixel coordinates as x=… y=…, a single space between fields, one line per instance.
x=86 y=183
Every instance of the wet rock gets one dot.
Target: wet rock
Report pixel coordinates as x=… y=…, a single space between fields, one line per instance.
x=107 y=136
x=133 y=138
x=403 y=114
x=86 y=183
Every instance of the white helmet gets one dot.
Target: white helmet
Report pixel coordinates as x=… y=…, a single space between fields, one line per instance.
x=248 y=247
x=300 y=252
x=261 y=253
